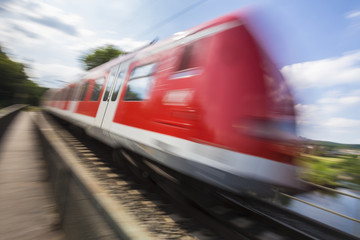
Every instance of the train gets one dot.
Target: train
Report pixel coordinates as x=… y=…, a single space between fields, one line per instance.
x=207 y=103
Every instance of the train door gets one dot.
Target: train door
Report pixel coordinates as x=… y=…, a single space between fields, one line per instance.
x=104 y=102
x=114 y=97
x=73 y=101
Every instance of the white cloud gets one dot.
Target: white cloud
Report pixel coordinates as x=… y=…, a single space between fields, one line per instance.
x=307 y=113
x=347 y=100
x=341 y=123
x=324 y=73
x=54 y=75
x=332 y=117
x=18 y=30
x=353 y=14
x=332 y=104
x=55 y=69
x=126 y=44
x=13 y=37
x=337 y=102
x=316 y=122
x=51 y=39
x=37 y=10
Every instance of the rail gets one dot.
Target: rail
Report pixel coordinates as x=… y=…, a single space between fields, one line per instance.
x=7 y=114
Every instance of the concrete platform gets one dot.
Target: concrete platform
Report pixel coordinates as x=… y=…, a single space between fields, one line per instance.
x=27 y=207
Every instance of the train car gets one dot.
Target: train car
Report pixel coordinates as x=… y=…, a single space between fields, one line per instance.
x=208 y=103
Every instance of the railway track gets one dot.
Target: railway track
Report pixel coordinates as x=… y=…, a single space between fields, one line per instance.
x=170 y=206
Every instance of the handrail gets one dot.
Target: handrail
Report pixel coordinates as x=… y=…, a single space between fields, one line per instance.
x=7 y=114
x=10 y=109
x=330 y=189
x=322 y=208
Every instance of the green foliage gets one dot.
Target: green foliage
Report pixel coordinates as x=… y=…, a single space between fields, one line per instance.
x=99 y=56
x=332 y=171
x=322 y=174
x=351 y=168
x=15 y=86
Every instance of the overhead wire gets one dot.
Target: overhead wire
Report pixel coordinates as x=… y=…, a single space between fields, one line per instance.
x=172 y=17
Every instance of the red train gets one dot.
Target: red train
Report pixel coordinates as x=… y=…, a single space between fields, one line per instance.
x=207 y=103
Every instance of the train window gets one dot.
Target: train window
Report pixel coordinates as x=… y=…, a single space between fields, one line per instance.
x=98 y=84
x=73 y=96
x=70 y=93
x=66 y=94
x=109 y=83
x=59 y=95
x=79 y=92
x=63 y=94
x=142 y=71
x=187 y=60
x=139 y=83
x=84 y=89
x=119 y=81
x=190 y=63
x=76 y=95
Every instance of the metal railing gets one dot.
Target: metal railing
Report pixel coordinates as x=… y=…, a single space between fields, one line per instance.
x=7 y=115
x=323 y=208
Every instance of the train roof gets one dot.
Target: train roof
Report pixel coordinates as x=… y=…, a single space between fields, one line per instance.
x=99 y=70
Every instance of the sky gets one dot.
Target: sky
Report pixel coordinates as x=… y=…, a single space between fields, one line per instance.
x=315 y=44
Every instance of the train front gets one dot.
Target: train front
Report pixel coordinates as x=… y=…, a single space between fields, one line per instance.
x=248 y=113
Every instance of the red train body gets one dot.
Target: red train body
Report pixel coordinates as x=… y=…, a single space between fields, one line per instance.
x=208 y=103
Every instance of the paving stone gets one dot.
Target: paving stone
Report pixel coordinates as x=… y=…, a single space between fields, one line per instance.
x=27 y=207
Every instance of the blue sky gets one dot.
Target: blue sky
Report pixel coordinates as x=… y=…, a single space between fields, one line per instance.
x=316 y=45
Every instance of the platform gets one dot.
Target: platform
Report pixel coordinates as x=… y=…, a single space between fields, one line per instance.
x=27 y=207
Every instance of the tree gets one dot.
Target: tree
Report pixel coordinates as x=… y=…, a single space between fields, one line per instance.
x=15 y=85
x=99 y=56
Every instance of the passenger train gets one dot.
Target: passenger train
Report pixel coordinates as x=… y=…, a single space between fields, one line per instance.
x=207 y=103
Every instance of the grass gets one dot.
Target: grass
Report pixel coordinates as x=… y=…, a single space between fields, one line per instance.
x=331 y=171
x=324 y=159
x=32 y=108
